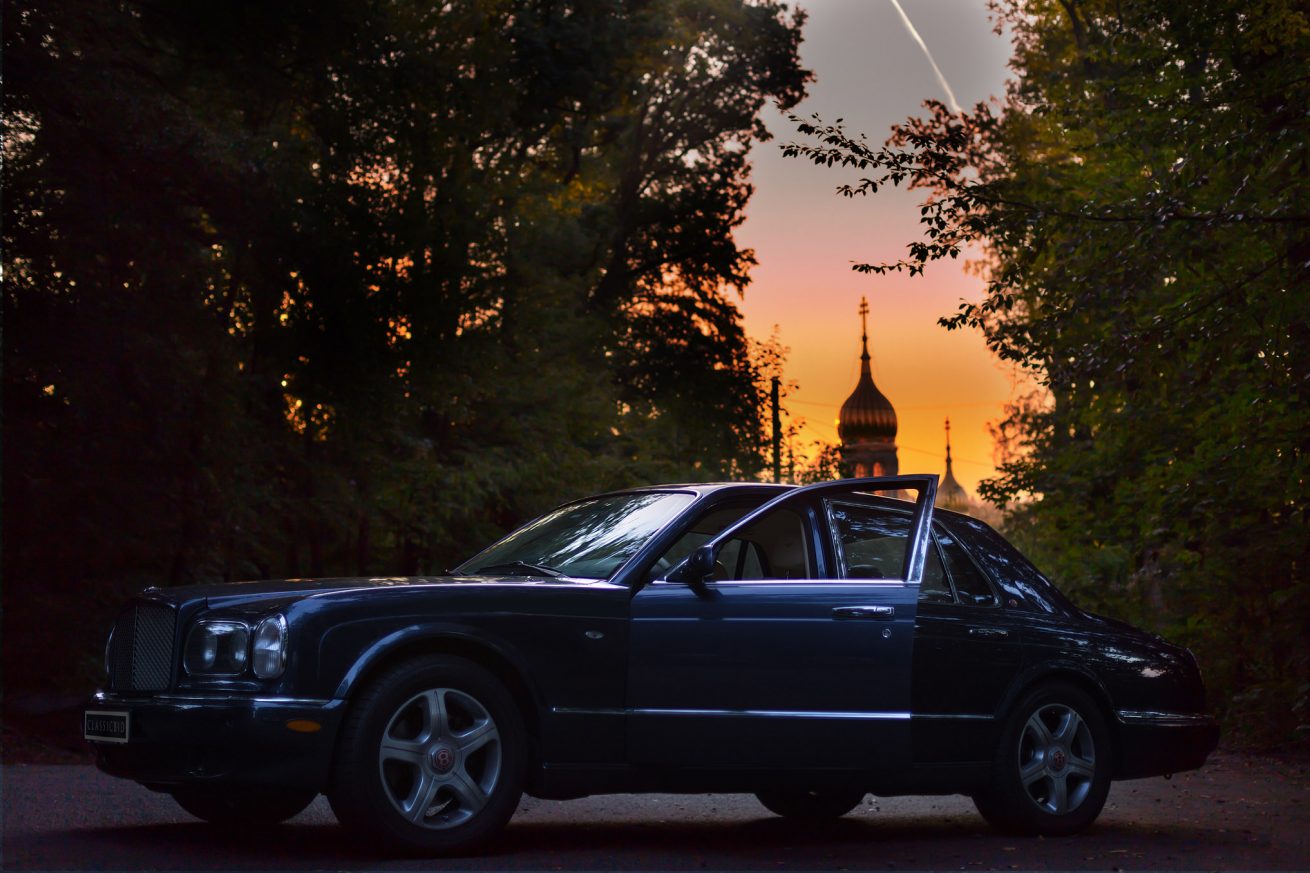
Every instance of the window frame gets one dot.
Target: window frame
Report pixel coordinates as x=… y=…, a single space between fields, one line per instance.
x=839 y=553
x=941 y=561
x=820 y=549
x=998 y=601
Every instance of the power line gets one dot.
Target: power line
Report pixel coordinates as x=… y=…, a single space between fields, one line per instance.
x=936 y=454
x=823 y=425
x=942 y=454
x=946 y=406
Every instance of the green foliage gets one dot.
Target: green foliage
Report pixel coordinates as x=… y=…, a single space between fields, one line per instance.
x=824 y=465
x=1141 y=196
x=355 y=287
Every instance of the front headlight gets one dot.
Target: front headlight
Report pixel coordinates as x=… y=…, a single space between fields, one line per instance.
x=270 y=648
x=217 y=648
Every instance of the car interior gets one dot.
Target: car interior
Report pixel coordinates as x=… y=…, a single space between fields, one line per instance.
x=772 y=548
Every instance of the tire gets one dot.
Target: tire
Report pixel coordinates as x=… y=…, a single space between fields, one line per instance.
x=1051 y=773
x=820 y=805
x=431 y=760
x=246 y=807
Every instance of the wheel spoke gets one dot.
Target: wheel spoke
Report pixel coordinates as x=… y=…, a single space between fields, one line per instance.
x=425 y=791
x=477 y=737
x=1059 y=799
x=1041 y=733
x=1084 y=767
x=409 y=751
x=1032 y=771
x=466 y=788
x=1069 y=726
x=436 y=722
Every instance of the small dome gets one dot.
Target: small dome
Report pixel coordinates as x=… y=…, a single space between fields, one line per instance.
x=951 y=494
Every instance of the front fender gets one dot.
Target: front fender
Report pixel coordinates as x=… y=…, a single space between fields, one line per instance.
x=350 y=654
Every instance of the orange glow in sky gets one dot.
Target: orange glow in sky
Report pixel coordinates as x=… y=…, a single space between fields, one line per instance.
x=870 y=72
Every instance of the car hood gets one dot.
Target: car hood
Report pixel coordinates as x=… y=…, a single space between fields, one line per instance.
x=268 y=592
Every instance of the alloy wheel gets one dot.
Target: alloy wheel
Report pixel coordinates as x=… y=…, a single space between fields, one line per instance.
x=440 y=758
x=1057 y=759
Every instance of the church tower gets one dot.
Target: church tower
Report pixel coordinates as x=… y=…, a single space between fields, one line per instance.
x=951 y=494
x=867 y=422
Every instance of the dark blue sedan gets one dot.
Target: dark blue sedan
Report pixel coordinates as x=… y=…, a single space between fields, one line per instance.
x=808 y=645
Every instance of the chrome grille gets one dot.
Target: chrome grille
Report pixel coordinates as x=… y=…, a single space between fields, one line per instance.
x=141 y=654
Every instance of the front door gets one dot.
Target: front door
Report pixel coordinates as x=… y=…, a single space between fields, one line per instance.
x=797 y=653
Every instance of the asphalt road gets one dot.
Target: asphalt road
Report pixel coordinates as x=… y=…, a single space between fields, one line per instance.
x=1240 y=812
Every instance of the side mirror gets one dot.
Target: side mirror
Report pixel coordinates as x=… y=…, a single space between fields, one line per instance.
x=698 y=568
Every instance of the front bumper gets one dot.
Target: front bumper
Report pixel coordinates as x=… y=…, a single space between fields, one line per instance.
x=1159 y=744
x=233 y=740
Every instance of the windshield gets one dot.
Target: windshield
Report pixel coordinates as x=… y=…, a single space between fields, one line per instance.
x=591 y=539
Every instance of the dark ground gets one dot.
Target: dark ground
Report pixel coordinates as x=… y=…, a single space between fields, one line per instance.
x=1240 y=812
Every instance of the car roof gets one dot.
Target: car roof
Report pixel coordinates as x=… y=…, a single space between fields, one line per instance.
x=702 y=489
x=705 y=488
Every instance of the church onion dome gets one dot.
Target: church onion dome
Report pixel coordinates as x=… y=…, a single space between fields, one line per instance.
x=867 y=415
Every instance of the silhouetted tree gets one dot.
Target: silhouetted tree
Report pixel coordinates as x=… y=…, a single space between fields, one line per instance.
x=352 y=287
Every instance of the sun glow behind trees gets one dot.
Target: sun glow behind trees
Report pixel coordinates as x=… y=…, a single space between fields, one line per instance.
x=1140 y=199
x=871 y=72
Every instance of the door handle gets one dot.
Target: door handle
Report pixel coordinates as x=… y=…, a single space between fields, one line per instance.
x=994 y=632
x=868 y=613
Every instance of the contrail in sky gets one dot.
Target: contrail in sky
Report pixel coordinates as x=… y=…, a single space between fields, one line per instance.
x=955 y=107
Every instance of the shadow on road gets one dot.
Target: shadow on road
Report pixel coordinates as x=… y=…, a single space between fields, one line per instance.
x=958 y=841
x=1240 y=812
x=187 y=846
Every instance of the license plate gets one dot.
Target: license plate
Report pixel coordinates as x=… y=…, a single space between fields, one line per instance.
x=105 y=727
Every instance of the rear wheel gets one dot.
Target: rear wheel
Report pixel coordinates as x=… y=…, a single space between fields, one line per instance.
x=1051 y=773
x=248 y=807
x=816 y=805
x=432 y=759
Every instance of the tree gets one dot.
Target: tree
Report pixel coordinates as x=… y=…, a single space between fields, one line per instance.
x=355 y=287
x=1141 y=198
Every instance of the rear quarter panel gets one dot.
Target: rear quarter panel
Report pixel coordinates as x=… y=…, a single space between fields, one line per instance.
x=1135 y=672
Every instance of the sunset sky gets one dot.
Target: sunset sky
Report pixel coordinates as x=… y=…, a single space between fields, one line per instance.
x=870 y=71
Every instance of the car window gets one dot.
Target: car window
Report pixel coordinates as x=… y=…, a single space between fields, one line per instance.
x=700 y=532
x=774 y=547
x=871 y=540
x=741 y=559
x=588 y=539
x=1005 y=566
x=971 y=586
x=934 y=588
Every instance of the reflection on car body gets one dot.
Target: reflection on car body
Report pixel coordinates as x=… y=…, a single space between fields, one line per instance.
x=809 y=645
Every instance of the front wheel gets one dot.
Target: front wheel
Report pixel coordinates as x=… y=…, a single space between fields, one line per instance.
x=1051 y=773
x=816 y=805
x=247 y=807
x=432 y=759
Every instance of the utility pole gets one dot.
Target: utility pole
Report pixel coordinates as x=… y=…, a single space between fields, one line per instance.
x=777 y=434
